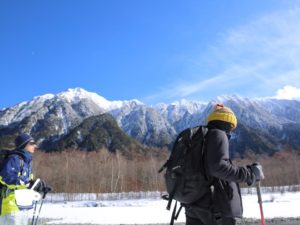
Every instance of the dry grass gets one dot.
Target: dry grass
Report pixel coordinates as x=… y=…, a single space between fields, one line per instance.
x=103 y=172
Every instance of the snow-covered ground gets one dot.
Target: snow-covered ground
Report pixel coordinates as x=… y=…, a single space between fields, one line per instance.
x=153 y=210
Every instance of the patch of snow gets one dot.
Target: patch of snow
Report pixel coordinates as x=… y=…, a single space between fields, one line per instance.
x=78 y=94
x=44 y=97
x=153 y=210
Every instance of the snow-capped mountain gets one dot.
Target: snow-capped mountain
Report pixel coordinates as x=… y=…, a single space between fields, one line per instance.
x=181 y=113
x=265 y=125
x=50 y=117
x=83 y=104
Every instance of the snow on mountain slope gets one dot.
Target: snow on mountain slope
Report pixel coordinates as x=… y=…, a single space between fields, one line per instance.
x=20 y=111
x=72 y=97
x=76 y=95
x=177 y=110
x=53 y=116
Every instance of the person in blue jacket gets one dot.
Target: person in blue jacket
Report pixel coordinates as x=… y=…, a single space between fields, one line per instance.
x=16 y=173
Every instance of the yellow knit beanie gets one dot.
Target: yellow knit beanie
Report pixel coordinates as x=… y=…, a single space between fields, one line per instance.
x=224 y=114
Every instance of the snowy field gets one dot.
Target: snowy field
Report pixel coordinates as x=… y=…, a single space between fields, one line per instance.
x=151 y=210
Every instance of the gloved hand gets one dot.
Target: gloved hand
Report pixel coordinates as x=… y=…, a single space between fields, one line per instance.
x=257 y=173
x=42 y=187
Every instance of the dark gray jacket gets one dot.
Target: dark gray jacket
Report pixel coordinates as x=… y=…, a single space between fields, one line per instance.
x=225 y=176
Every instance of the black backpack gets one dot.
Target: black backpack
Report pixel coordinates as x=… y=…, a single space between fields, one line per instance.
x=185 y=177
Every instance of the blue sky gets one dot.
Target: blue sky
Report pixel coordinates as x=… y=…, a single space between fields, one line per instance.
x=151 y=50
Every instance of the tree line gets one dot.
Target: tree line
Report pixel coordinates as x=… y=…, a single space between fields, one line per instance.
x=74 y=171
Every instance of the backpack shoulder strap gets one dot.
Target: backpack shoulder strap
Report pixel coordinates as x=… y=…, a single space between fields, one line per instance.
x=20 y=159
x=204 y=132
x=21 y=165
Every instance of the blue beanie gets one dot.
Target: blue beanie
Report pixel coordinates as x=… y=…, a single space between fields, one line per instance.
x=22 y=140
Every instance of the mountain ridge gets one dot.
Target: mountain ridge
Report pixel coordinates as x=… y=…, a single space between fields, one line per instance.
x=52 y=117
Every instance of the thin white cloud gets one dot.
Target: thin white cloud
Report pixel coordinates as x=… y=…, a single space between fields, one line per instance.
x=288 y=92
x=259 y=58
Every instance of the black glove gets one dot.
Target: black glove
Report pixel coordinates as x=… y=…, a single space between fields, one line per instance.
x=42 y=187
x=257 y=173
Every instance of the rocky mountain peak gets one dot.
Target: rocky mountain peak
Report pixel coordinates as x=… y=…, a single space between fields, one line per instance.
x=50 y=118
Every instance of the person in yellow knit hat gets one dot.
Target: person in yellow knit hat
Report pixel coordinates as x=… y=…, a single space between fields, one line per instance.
x=222 y=113
x=223 y=204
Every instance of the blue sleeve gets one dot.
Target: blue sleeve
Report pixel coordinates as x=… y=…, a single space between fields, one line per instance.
x=10 y=173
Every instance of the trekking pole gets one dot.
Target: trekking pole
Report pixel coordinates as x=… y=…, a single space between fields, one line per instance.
x=35 y=202
x=34 y=213
x=40 y=208
x=37 y=217
x=260 y=203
